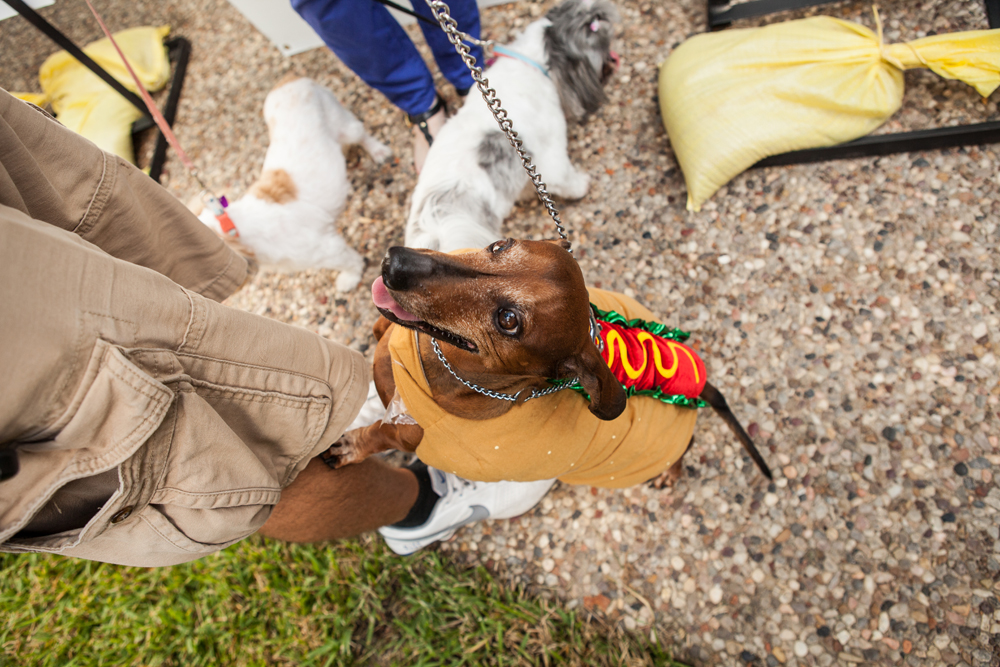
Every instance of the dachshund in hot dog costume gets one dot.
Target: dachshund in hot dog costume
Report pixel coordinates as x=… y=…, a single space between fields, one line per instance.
x=500 y=364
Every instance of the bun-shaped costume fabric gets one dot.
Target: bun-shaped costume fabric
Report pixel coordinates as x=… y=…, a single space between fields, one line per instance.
x=556 y=436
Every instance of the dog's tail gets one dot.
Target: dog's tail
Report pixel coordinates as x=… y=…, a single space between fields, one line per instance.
x=714 y=397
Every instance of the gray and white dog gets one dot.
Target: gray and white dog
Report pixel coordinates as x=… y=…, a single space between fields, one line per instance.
x=554 y=70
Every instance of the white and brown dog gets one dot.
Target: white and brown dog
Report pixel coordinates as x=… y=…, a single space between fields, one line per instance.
x=288 y=217
x=554 y=70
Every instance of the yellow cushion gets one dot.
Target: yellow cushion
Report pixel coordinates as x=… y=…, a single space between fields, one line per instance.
x=732 y=98
x=90 y=107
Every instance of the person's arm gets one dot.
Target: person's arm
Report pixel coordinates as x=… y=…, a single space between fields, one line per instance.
x=50 y=173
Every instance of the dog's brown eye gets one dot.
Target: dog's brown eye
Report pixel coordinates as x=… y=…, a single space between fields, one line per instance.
x=507 y=320
x=497 y=246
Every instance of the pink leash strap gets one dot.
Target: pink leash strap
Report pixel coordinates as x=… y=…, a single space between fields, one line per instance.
x=217 y=208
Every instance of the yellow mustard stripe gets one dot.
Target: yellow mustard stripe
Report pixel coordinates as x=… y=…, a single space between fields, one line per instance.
x=615 y=337
x=694 y=366
x=643 y=336
x=667 y=373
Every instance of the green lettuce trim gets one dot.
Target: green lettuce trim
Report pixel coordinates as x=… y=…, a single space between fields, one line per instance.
x=680 y=400
x=654 y=328
x=657 y=329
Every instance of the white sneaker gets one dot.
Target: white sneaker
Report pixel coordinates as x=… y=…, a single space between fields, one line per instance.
x=462 y=502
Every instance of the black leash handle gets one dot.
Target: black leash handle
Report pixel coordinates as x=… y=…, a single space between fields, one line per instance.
x=401 y=8
x=35 y=19
x=464 y=35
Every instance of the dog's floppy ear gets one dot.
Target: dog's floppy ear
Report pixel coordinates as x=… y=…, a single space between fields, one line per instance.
x=575 y=53
x=607 y=398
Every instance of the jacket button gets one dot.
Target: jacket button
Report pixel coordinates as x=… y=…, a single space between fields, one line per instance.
x=122 y=514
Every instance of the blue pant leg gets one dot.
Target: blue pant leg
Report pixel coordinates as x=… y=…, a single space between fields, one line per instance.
x=366 y=37
x=466 y=13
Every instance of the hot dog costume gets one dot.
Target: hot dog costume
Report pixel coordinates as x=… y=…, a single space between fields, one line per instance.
x=556 y=436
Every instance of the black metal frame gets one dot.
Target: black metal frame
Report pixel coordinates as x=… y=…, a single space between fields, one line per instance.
x=179 y=50
x=721 y=14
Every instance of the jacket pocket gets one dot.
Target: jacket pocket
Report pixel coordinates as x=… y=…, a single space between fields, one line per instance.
x=114 y=411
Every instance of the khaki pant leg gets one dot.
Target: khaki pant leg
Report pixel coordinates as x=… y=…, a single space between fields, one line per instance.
x=54 y=175
x=205 y=412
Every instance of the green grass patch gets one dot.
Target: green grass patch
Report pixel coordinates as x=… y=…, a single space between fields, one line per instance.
x=262 y=602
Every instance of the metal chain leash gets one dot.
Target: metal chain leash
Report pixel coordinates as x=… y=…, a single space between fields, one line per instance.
x=409 y=12
x=565 y=384
x=443 y=15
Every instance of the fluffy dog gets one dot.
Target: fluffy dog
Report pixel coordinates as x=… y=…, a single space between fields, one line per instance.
x=514 y=320
x=288 y=216
x=555 y=69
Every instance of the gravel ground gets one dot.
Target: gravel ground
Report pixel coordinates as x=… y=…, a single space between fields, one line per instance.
x=847 y=309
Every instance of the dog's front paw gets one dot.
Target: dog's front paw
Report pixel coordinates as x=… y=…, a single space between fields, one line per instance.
x=343 y=452
x=346 y=281
x=378 y=151
x=578 y=186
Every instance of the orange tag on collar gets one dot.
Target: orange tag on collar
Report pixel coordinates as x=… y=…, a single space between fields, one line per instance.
x=226 y=224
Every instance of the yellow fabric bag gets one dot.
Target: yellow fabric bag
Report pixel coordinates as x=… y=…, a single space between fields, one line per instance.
x=88 y=106
x=732 y=98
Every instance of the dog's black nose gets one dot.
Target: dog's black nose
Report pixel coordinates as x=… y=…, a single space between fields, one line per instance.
x=402 y=268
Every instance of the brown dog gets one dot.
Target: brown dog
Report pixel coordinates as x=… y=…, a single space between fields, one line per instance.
x=513 y=317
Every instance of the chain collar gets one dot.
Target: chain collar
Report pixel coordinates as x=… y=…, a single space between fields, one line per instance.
x=565 y=384
x=595 y=332
x=595 y=335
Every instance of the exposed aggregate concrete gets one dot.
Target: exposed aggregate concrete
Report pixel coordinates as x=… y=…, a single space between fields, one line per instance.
x=847 y=309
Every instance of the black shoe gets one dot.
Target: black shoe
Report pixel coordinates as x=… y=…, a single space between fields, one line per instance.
x=420 y=120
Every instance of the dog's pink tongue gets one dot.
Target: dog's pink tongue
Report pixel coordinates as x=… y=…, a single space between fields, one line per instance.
x=615 y=58
x=384 y=300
